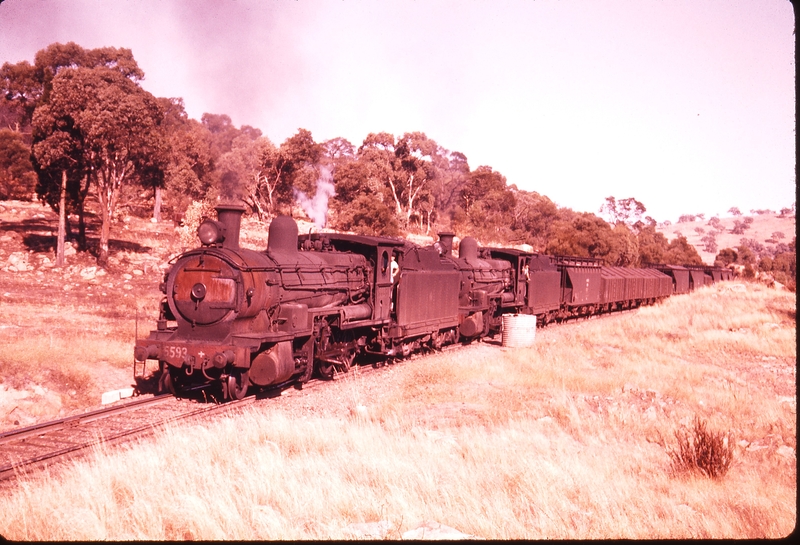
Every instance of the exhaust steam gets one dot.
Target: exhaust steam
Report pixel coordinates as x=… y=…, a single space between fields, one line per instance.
x=317 y=207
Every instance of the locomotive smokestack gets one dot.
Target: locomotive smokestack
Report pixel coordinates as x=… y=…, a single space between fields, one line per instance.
x=446 y=243
x=230 y=215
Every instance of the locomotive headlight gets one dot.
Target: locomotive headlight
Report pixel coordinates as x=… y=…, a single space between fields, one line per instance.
x=211 y=232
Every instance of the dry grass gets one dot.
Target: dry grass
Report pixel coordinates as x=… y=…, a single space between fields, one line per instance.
x=568 y=439
x=699 y=449
x=64 y=349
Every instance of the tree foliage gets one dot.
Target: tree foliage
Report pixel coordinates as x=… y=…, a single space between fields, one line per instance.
x=191 y=168
x=740 y=226
x=81 y=105
x=405 y=167
x=725 y=257
x=17 y=177
x=487 y=204
x=680 y=252
x=628 y=211
x=367 y=216
x=533 y=217
x=24 y=86
x=100 y=125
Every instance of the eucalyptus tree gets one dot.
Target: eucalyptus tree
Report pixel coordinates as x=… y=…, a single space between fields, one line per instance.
x=360 y=202
x=488 y=204
x=57 y=96
x=293 y=165
x=407 y=167
x=452 y=175
x=24 y=86
x=58 y=160
x=116 y=128
x=245 y=160
x=533 y=217
x=191 y=167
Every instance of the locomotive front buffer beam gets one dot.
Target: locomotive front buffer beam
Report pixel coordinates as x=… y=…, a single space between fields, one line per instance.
x=192 y=355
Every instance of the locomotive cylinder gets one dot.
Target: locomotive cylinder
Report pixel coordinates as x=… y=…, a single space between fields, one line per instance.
x=273 y=366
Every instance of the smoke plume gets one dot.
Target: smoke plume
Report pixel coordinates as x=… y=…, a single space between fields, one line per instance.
x=317 y=207
x=230 y=188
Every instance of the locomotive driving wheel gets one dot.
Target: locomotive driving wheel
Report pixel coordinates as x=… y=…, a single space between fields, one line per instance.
x=235 y=387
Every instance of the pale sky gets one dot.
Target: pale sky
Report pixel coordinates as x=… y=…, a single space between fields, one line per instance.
x=686 y=105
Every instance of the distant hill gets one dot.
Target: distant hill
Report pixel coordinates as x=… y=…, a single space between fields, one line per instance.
x=761 y=229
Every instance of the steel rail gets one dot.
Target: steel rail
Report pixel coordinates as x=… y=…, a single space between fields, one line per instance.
x=77 y=420
x=13 y=469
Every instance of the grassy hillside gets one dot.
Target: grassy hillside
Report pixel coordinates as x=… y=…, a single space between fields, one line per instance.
x=761 y=229
x=568 y=439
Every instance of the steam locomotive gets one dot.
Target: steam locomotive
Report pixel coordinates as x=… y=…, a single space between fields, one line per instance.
x=310 y=304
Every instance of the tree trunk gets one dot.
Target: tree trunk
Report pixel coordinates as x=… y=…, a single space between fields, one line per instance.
x=105 y=231
x=82 y=215
x=62 y=220
x=157 y=206
x=81 y=228
x=106 y=194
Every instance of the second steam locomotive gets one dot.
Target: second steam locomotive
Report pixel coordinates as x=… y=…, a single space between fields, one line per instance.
x=240 y=318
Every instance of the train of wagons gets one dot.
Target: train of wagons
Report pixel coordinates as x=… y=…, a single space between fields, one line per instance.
x=237 y=319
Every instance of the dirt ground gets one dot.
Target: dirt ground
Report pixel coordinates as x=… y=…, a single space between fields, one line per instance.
x=30 y=283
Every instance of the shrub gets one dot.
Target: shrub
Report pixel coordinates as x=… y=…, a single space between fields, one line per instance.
x=709 y=243
x=700 y=450
x=17 y=178
x=739 y=227
x=725 y=257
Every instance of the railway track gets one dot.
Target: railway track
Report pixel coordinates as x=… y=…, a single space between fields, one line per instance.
x=33 y=448
x=27 y=450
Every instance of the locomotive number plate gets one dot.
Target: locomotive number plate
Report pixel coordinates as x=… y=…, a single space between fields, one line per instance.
x=172 y=352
